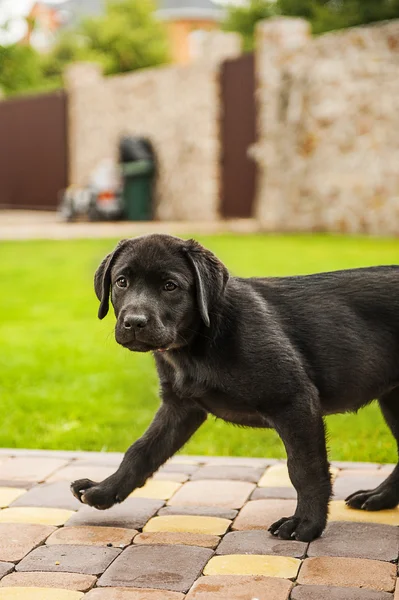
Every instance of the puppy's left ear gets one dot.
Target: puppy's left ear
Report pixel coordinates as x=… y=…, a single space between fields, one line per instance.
x=210 y=276
x=102 y=279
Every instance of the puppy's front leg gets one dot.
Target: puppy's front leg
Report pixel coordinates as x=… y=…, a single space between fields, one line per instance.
x=171 y=428
x=301 y=429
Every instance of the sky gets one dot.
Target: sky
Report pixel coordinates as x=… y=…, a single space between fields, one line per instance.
x=14 y=10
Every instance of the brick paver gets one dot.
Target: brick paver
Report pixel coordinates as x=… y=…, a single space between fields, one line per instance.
x=200 y=511
x=260 y=542
x=181 y=538
x=226 y=494
x=88 y=560
x=161 y=490
x=340 y=512
x=36 y=515
x=197 y=530
x=174 y=568
x=67 y=581
x=5 y=568
x=27 y=593
x=93 y=536
x=260 y=514
x=235 y=587
x=191 y=524
x=324 y=592
x=51 y=495
x=357 y=540
x=78 y=471
x=255 y=564
x=277 y=476
x=132 y=514
x=18 y=539
x=234 y=473
x=349 y=572
x=8 y=495
x=30 y=468
x=348 y=483
x=132 y=594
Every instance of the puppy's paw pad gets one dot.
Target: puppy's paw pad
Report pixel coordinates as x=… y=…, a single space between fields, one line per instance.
x=79 y=487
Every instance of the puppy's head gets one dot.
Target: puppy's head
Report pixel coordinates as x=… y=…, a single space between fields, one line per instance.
x=162 y=288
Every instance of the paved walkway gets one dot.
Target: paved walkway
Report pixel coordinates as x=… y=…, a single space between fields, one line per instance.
x=25 y=224
x=197 y=530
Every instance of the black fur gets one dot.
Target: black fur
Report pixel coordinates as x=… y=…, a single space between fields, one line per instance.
x=272 y=352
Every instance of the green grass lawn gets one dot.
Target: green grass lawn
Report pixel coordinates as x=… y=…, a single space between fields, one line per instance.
x=65 y=383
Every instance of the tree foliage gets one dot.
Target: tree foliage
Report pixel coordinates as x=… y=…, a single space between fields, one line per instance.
x=243 y=19
x=20 y=69
x=323 y=15
x=127 y=37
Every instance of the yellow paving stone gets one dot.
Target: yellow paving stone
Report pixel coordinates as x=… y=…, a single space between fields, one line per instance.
x=277 y=476
x=253 y=564
x=156 y=489
x=189 y=524
x=9 y=494
x=28 y=593
x=40 y=516
x=340 y=512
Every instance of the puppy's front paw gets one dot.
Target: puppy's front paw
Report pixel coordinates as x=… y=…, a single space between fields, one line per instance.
x=294 y=528
x=98 y=495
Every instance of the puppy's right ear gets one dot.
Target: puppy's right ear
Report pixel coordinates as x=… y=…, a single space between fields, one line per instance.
x=102 y=279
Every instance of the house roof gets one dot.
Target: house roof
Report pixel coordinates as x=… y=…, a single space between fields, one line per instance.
x=74 y=10
x=189 y=9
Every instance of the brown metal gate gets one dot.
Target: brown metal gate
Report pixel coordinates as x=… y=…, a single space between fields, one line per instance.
x=238 y=132
x=33 y=151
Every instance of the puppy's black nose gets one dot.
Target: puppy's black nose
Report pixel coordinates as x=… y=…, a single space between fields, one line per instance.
x=135 y=321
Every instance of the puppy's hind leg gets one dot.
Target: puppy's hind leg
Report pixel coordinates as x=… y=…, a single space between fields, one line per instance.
x=385 y=495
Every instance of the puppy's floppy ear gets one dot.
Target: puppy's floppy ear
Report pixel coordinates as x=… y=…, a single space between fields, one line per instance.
x=102 y=279
x=210 y=276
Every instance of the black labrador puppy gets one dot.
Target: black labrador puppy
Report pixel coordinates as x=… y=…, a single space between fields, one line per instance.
x=272 y=352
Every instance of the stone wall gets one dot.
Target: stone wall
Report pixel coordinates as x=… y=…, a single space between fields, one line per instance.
x=328 y=149
x=176 y=107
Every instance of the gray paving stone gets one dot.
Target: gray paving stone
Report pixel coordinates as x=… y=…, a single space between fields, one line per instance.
x=343 y=486
x=172 y=568
x=235 y=461
x=24 y=485
x=133 y=513
x=259 y=542
x=178 y=468
x=340 y=464
x=358 y=540
x=5 y=568
x=199 y=511
x=236 y=473
x=287 y=493
x=88 y=560
x=49 y=495
x=325 y=592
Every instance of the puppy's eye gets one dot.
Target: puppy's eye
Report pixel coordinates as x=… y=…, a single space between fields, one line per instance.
x=121 y=282
x=169 y=286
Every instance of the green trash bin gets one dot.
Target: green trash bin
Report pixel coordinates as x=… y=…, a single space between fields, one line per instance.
x=138 y=183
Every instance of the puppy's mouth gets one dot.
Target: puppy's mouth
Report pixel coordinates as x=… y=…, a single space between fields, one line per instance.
x=139 y=346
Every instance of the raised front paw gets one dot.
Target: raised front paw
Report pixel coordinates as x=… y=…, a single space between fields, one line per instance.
x=99 y=495
x=303 y=530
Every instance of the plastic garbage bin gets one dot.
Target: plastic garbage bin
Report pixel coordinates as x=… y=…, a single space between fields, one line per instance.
x=137 y=164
